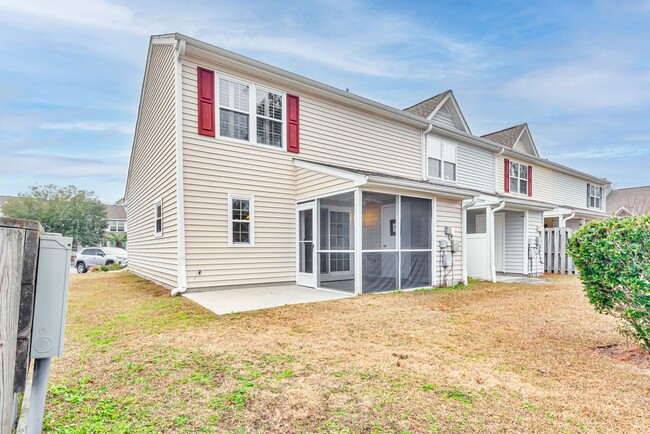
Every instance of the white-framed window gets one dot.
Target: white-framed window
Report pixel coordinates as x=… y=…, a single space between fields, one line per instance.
x=241 y=223
x=335 y=224
x=518 y=178
x=251 y=113
x=116 y=226
x=234 y=106
x=269 y=118
x=595 y=196
x=158 y=218
x=441 y=159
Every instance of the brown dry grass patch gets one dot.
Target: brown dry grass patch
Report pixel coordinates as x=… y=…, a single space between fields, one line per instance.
x=489 y=358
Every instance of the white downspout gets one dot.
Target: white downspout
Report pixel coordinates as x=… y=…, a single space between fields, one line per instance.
x=463 y=252
x=493 y=268
x=180 y=197
x=564 y=220
x=424 y=152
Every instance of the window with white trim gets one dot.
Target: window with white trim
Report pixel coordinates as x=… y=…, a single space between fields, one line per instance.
x=441 y=159
x=158 y=218
x=233 y=109
x=240 y=220
x=518 y=178
x=268 y=108
x=595 y=196
x=116 y=226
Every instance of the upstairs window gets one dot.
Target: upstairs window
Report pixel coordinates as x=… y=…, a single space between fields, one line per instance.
x=240 y=220
x=518 y=178
x=116 y=226
x=233 y=109
x=441 y=160
x=595 y=196
x=158 y=218
x=268 y=108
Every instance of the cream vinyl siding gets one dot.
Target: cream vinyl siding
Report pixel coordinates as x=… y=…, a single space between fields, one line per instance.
x=474 y=167
x=334 y=134
x=543 y=181
x=514 y=245
x=572 y=191
x=535 y=219
x=443 y=117
x=448 y=214
x=310 y=184
x=213 y=168
x=152 y=174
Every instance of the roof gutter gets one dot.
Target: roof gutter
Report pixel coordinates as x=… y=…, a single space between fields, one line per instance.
x=306 y=83
x=179 y=51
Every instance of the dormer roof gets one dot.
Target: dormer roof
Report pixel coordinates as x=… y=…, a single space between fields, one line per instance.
x=441 y=109
x=517 y=138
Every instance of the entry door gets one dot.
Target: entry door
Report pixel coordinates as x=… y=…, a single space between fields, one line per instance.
x=306 y=225
x=499 y=242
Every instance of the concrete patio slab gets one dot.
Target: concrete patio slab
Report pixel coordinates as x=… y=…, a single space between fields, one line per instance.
x=254 y=298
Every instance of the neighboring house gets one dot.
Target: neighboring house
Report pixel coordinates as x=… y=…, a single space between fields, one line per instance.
x=243 y=174
x=115 y=226
x=630 y=201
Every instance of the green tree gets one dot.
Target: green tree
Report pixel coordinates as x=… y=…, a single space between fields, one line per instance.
x=118 y=239
x=67 y=210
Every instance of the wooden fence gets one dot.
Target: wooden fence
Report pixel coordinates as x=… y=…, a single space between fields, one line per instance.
x=18 y=257
x=556 y=258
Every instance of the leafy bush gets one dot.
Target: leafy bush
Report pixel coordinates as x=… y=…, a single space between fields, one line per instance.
x=613 y=257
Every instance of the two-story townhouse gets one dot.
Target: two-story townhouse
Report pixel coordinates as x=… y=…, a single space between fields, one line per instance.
x=243 y=174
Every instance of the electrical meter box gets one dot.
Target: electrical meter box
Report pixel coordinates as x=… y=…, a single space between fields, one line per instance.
x=455 y=246
x=443 y=244
x=51 y=296
x=446 y=259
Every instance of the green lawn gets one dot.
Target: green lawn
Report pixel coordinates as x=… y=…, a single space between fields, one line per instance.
x=490 y=358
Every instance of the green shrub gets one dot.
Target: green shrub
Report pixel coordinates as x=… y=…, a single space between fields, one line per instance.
x=613 y=257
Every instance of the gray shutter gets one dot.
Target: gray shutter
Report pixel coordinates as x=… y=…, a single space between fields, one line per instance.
x=588 y=195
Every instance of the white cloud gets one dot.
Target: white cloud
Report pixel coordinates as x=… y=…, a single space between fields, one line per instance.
x=62 y=167
x=88 y=126
x=88 y=13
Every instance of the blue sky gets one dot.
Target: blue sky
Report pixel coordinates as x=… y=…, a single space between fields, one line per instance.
x=577 y=72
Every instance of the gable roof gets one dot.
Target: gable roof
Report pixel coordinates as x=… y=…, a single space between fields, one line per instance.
x=634 y=200
x=509 y=137
x=115 y=212
x=442 y=109
x=426 y=107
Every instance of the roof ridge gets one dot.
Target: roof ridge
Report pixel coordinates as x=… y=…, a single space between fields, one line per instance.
x=630 y=188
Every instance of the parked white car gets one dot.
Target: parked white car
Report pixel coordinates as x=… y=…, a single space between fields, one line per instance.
x=98 y=256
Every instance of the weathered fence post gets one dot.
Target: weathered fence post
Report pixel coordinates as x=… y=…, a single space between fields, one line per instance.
x=11 y=267
x=19 y=240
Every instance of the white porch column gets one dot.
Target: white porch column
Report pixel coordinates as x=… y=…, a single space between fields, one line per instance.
x=358 y=239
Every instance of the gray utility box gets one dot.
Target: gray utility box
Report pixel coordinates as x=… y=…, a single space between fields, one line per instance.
x=51 y=297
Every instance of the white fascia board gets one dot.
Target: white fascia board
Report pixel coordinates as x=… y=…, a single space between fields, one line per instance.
x=530 y=139
x=357 y=178
x=240 y=62
x=450 y=97
x=528 y=204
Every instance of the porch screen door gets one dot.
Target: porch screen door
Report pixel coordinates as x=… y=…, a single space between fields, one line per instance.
x=306 y=272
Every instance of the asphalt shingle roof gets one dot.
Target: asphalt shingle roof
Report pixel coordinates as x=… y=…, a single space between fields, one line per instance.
x=424 y=108
x=635 y=199
x=507 y=137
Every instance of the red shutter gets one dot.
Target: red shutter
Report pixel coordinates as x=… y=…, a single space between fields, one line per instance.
x=205 y=79
x=506 y=175
x=530 y=180
x=293 y=123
